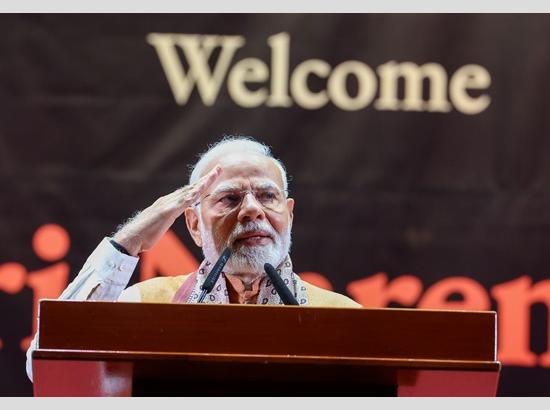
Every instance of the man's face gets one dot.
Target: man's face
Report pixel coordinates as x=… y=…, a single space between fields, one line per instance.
x=246 y=209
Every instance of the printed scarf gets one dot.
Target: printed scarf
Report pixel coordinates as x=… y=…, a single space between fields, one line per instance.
x=190 y=291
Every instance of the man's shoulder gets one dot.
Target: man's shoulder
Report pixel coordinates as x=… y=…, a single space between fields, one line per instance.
x=161 y=289
x=166 y=280
x=319 y=297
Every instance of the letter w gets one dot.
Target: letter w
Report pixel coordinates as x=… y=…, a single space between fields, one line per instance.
x=197 y=50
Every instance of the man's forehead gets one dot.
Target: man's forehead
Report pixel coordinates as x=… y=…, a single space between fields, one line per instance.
x=246 y=167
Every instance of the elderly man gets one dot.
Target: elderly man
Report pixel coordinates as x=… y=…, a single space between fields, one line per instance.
x=236 y=198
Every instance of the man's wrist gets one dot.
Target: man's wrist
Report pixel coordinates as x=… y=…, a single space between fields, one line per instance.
x=119 y=247
x=129 y=242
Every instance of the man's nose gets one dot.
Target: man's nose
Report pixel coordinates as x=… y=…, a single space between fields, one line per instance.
x=250 y=209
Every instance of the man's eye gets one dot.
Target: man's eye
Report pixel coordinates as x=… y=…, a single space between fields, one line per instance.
x=267 y=196
x=229 y=199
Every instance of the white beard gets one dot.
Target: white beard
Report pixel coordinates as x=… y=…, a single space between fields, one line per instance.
x=247 y=259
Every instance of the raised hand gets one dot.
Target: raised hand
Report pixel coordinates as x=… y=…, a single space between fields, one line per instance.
x=144 y=230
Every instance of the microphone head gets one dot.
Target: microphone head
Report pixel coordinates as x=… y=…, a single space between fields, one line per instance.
x=225 y=254
x=286 y=296
x=272 y=273
x=214 y=274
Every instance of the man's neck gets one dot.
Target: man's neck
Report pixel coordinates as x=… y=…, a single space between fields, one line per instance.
x=246 y=278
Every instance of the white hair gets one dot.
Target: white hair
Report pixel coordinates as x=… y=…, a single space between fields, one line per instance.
x=229 y=144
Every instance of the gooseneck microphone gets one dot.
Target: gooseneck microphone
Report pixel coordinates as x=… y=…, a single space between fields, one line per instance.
x=214 y=274
x=286 y=296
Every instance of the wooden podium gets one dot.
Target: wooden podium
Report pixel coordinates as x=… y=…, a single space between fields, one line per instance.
x=141 y=349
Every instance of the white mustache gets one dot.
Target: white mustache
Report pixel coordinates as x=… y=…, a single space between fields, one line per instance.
x=252 y=226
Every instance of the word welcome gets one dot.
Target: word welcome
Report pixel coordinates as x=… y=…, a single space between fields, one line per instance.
x=209 y=62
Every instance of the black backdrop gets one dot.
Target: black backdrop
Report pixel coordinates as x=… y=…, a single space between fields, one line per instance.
x=449 y=205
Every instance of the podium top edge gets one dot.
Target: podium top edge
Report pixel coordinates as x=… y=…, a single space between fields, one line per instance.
x=249 y=306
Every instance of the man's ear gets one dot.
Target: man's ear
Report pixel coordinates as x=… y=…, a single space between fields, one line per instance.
x=290 y=206
x=192 y=222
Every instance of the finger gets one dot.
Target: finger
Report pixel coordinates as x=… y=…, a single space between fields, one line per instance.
x=191 y=193
x=207 y=179
x=179 y=193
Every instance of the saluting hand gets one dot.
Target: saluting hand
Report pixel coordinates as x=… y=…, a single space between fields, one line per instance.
x=144 y=230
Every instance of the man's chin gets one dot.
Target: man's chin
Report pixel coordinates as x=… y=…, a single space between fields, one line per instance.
x=251 y=258
x=252 y=251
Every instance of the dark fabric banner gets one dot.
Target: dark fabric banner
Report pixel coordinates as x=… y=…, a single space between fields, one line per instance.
x=417 y=146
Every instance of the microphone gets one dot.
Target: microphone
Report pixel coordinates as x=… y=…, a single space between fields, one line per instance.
x=214 y=274
x=287 y=297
